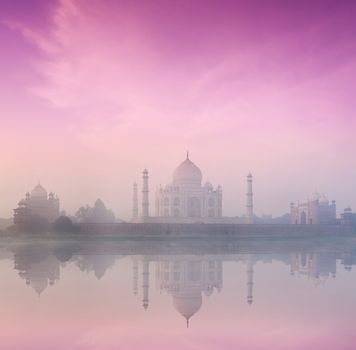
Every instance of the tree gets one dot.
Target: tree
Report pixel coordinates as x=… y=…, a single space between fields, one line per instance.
x=98 y=214
x=36 y=224
x=83 y=214
x=64 y=224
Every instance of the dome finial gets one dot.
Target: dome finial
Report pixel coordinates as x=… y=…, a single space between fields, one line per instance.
x=187 y=172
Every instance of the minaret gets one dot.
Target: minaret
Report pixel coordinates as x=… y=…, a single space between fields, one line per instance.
x=249 y=200
x=135 y=276
x=292 y=213
x=145 y=283
x=145 y=201
x=219 y=190
x=249 y=272
x=135 y=202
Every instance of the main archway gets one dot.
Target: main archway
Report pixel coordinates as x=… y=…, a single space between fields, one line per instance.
x=194 y=207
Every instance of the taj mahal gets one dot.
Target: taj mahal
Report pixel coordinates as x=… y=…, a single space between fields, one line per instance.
x=186 y=199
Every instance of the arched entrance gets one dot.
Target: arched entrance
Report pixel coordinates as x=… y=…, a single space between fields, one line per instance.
x=194 y=210
x=303 y=218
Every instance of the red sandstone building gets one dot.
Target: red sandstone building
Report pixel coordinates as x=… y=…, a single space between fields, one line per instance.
x=317 y=210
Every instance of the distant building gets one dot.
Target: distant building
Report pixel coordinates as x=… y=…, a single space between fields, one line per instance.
x=316 y=210
x=186 y=199
x=249 y=201
x=348 y=217
x=37 y=203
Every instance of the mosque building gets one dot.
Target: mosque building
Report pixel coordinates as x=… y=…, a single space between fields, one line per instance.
x=186 y=199
x=348 y=217
x=37 y=203
x=316 y=210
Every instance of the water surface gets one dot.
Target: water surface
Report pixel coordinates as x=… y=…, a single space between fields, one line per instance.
x=246 y=294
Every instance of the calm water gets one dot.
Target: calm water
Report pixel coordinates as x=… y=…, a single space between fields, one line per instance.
x=178 y=295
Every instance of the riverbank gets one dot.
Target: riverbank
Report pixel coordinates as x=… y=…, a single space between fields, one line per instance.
x=196 y=230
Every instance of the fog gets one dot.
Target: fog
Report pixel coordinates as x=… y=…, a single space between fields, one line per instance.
x=111 y=177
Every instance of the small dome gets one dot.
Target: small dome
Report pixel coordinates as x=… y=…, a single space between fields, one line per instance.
x=208 y=184
x=323 y=200
x=187 y=173
x=22 y=203
x=315 y=196
x=39 y=192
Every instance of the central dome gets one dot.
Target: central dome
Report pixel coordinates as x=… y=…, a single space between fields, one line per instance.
x=39 y=192
x=187 y=173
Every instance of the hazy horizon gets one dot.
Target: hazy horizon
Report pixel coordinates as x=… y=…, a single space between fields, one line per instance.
x=93 y=92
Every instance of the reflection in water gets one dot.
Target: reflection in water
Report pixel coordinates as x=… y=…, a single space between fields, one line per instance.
x=316 y=266
x=39 y=271
x=97 y=263
x=185 y=277
x=186 y=273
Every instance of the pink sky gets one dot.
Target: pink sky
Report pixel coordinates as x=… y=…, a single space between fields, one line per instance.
x=92 y=92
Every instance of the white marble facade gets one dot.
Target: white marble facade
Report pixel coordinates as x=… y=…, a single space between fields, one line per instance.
x=186 y=199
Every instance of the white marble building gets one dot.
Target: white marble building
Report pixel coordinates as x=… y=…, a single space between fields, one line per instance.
x=186 y=199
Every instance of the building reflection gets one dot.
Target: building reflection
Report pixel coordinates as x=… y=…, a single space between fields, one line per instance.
x=39 y=270
x=186 y=277
x=98 y=264
x=318 y=267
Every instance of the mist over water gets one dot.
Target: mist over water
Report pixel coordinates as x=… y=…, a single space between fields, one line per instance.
x=250 y=294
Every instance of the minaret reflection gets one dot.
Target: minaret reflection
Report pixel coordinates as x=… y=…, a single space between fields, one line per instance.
x=348 y=260
x=135 y=275
x=145 y=283
x=249 y=272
